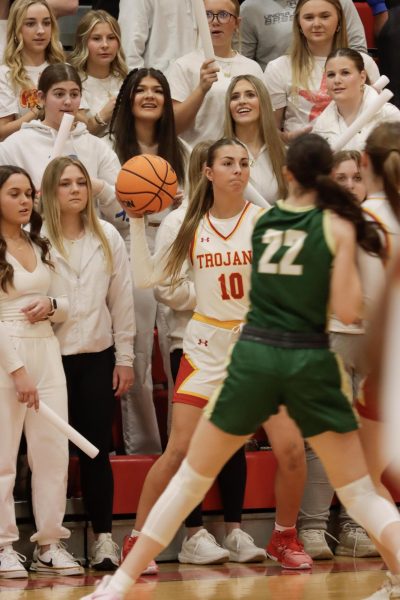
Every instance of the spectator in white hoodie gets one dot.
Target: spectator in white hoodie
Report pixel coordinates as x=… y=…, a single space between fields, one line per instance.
x=60 y=90
x=346 y=84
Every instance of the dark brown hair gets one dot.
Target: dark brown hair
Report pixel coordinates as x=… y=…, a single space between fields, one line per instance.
x=123 y=130
x=35 y=222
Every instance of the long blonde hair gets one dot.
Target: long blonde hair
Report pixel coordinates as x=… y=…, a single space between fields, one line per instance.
x=79 y=56
x=15 y=45
x=200 y=201
x=51 y=207
x=198 y=157
x=301 y=59
x=267 y=126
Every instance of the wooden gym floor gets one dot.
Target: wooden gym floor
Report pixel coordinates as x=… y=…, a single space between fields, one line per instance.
x=340 y=579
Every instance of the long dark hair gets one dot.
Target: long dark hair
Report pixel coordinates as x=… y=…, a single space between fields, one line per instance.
x=35 y=222
x=123 y=130
x=310 y=159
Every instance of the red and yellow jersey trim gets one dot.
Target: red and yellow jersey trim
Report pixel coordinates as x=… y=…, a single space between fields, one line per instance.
x=216 y=322
x=239 y=221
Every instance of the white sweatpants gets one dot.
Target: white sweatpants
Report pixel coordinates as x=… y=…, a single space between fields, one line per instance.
x=47 y=448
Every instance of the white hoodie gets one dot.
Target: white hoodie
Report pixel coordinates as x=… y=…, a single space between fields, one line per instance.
x=31 y=146
x=330 y=124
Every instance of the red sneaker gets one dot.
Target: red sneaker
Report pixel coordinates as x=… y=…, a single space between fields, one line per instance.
x=127 y=545
x=288 y=551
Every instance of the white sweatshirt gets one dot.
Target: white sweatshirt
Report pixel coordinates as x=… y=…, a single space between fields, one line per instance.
x=331 y=125
x=31 y=146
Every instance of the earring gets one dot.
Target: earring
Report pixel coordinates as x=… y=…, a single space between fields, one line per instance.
x=362 y=87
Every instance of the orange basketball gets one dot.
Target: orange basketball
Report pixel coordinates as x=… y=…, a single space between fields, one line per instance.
x=146 y=184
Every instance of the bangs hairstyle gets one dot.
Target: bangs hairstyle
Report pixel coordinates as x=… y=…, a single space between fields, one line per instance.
x=301 y=59
x=51 y=207
x=383 y=149
x=13 y=54
x=123 y=130
x=200 y=201
x=56 y=74
x=35 y=222
x=345 y=155
x=310 y=160
x=80 y=54
x=267 y=126
x=354 y=56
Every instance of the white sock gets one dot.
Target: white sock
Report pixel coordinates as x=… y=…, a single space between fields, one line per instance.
x=135 y=533
x=282 y=528
x=120 y=582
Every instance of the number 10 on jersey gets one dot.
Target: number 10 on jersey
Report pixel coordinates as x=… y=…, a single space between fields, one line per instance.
x=231 y=287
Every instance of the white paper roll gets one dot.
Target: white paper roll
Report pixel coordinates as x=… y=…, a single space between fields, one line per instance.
x=251 y=194
x=66 y=429
x=204 y=30
x=362 y=120
x=62 y=135
x=381 y=83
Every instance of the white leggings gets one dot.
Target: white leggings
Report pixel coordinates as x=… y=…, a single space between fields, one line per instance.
x=47 y=448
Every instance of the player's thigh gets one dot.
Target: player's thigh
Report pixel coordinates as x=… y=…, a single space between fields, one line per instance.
x=185 y=418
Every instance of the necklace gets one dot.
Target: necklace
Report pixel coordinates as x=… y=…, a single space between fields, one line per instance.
x=108 y=85
x=226 y=65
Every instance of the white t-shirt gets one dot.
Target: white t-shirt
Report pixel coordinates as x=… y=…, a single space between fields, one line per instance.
x=306 y=105
x=96 y=93
x=184 y=76
x=330 y=124
x=19 y=103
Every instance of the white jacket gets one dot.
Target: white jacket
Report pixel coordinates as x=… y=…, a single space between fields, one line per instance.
x=31 y=146
x=101 y=303
x=156 y=32
x=330 y=123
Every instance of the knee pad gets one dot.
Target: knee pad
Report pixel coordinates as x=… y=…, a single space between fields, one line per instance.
x=184 y=492
x=366 y=507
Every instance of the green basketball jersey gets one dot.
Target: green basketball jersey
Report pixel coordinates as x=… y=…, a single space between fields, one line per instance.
x=291 y=270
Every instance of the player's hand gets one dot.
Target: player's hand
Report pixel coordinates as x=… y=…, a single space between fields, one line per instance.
x=38 y=309
x=26 y=389
x=208 y=74
x=123 y=378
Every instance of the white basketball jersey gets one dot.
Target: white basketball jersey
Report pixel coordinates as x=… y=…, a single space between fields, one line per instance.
x=221 y=262
x=379 y=209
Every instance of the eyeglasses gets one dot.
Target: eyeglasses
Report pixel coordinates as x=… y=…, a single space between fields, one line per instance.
x=223 y=16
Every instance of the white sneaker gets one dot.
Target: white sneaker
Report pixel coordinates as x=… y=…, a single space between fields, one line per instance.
x=202 y=549
x=105 y=553
x=11 y=566
x=56 y=561
x=102 y=591
x=315 y=544
x=354 y=541
x=242 y=548
x=389 y=590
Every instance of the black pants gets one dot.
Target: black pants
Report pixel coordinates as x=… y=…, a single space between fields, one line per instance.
x=91 y=405
x=231 y=480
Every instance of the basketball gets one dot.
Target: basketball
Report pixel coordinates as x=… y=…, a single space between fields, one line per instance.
x=146 y=184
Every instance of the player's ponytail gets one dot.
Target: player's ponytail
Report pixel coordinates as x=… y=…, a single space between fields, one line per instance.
x=383 y=149
x=310 y=159
x=200 y=201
